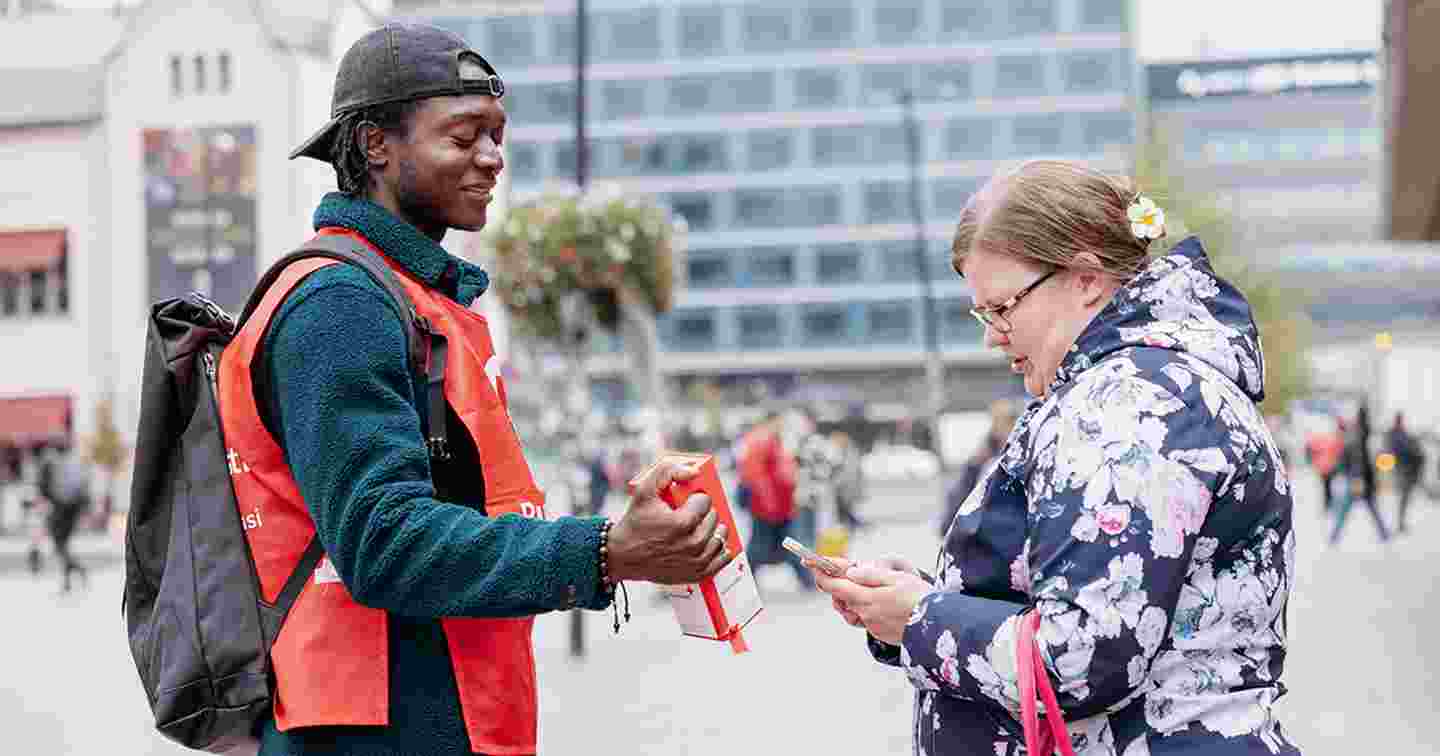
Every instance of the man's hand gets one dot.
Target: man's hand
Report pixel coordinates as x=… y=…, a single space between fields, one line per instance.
x=662 y=545
x=880 y=598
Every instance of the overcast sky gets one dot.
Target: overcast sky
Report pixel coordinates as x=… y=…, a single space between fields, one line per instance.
x=1191 y=28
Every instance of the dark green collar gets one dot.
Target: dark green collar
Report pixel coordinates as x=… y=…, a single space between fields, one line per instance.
x=402 y=242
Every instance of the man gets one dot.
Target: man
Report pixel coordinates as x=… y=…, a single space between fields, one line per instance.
x=1409 y=462
x=1325 y=449
x=65 y=483
x=413 y=634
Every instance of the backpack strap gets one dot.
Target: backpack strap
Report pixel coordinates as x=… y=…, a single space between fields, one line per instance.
x=309 y=560
x=428 y=349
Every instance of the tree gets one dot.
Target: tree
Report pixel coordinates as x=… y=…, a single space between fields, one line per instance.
x=568 y=263
x=108 y=450
x=1279 y=310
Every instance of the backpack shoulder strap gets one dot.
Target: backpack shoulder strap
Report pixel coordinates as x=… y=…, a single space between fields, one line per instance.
x=428 y=349
x=347 y=249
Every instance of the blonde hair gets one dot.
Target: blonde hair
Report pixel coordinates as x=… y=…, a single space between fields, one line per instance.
x=1047 y=212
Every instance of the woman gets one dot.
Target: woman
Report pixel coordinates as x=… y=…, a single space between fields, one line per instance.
x=1139 y=505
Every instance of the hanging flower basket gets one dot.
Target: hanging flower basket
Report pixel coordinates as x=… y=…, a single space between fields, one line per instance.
x=602 y=244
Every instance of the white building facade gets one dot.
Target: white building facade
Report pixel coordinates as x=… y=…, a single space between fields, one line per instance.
x=156 y=166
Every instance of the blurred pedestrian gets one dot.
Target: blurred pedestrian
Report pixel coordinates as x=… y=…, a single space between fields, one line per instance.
x=767 y=470
x=1409 y=461
x=1325 y=449
x=816 y=461
x=1362 y=459
x=65 y=483
x=1002 y=419
x=849 y=481
x=1355 y=462
x=1139 y=513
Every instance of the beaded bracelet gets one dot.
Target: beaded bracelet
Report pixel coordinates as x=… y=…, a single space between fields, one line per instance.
x=607 y=585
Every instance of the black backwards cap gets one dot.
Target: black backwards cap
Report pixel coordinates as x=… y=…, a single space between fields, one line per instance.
x=399 y=62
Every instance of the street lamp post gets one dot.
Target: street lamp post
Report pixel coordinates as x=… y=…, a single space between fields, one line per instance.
x=582 y=178
x=934 y=368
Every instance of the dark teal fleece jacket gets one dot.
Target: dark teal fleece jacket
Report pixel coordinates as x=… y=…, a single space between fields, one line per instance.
x=342 y=401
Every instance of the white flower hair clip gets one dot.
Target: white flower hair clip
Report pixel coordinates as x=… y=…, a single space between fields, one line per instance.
x=1147 y=220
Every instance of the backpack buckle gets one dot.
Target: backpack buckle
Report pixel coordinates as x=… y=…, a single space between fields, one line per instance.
x=439 y=448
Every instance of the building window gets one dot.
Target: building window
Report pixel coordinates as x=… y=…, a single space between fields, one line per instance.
x=972 y=19
x=897 y=261
x=1090 y=72
x=523 y=162
x=759 y=327
x=886 y=201
x=39 y=292
x=766 y=29
x=632 y=35
x=836 y=145
x=829 y=25
x=199 y=73
x=818 y=88
x=1103 y=14
x=1102 y=132
x=565 y=159
x=825 y=324
x=769 y=150
x=1037 y=134
x=750 y=92
x=898 y=21
x=692 y=331
x=562 y=37
x=697 y=209
x=1020 y=75
x=771 y=266
x=689 y=95
x=969 y=138
x=623 y=99
x=62 y=289
x=879 y=84
x=950 y=196
x=510 y=39
x=701 y=30
x=760 y=208
x=889 y=144
x=9 y=294
x=837 y=264
x=223 y=71
x=557 y=102
x=709 y=269
x=1032 y=16
x=177 y=83
x=815 y=206
x=889 y=322
x=944 y=81
x=700 y=153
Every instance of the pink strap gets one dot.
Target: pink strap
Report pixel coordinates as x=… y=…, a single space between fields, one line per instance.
x=1030 y=667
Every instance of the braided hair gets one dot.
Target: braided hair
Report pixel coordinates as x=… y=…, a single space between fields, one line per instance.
x=347 y=152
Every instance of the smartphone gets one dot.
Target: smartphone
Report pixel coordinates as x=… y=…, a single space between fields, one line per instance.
x=825 y=565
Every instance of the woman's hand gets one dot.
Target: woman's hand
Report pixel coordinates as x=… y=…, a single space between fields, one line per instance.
x=880 y=598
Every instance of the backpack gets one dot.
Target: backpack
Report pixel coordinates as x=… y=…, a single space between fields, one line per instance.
x=200 y=631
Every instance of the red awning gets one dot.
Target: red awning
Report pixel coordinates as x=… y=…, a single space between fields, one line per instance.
x=22 y=251
x=29 y=420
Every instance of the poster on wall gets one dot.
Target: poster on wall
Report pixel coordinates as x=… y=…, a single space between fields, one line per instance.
x=200 y=212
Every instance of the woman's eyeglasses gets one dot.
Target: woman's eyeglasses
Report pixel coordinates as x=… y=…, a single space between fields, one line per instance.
x=995 y=317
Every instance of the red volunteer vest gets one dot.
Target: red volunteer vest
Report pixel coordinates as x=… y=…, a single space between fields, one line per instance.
x=330 y=659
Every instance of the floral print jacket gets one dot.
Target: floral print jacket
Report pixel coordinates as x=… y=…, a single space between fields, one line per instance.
x=1141 y=507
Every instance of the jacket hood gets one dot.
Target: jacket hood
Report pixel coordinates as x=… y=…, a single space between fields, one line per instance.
x=1176 y=303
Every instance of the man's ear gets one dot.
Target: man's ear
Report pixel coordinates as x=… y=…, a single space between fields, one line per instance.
x=1093 y=283
x=376 y=143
